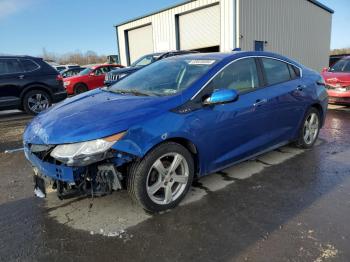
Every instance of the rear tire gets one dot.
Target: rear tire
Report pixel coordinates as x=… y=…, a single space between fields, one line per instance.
x=80 y=88
x=162 y=178
x=36 y=101
x=309 y=129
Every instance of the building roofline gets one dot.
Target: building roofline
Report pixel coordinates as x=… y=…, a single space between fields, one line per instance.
x=155 y=12
x=322 y=6
x=315 y=2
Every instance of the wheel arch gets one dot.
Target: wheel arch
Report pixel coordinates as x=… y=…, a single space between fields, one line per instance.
x=319 y=109
x=32 y=87
x=36 y=86
x=186 y=143
x=80 y=83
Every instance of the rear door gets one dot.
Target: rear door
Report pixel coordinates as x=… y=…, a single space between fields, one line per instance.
x=285 y=91
x=11 y=81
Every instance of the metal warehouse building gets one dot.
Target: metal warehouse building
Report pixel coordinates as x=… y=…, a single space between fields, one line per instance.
x=300 y=29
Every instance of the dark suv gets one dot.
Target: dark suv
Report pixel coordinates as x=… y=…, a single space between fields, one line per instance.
x=28 y=83
x=115 y=75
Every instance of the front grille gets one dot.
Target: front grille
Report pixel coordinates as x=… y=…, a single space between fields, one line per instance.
x=112 y=77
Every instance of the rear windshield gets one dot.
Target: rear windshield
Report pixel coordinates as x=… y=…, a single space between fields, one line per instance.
x=342 y=65
x=86 y=71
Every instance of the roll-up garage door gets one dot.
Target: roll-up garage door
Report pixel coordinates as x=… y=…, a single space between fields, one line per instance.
x=140 y=42
x=200 y=29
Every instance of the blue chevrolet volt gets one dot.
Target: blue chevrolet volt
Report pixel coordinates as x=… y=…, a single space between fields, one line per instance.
x=176 y=120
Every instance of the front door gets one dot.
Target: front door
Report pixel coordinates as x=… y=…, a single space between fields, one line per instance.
x=241 y=128
x=97 y=79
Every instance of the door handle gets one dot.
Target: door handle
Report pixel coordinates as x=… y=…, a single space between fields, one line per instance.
x=21 y=76
x=260 y=102
x=300 y=87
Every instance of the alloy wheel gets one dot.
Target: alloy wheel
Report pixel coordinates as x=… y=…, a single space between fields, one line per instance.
x=167 y=178
x=38 y=102
x=311 y=128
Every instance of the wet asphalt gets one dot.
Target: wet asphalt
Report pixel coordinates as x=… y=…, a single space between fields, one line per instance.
x=297 y=210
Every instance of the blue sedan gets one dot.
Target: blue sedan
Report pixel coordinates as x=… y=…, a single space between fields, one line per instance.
x=173 y=121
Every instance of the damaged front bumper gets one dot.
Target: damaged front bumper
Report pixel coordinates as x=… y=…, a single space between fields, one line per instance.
x=96 y=179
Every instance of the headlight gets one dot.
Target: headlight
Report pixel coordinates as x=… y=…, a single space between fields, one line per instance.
x=66 y=83
x=84 y=153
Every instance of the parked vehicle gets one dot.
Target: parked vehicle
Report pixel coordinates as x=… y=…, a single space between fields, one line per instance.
x=28 y=83
x=60 y=68
x=88 y=79
x=115 y=75
x=181 y=118
x=337 y=79
x=71 y=71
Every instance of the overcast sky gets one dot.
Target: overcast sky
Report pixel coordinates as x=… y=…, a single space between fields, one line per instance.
x=60 y=26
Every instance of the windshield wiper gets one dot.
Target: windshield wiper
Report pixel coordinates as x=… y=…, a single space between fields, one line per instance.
x=129 y=91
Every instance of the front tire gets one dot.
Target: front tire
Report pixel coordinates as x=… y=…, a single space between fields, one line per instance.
x=309 y=129
x=162 y=178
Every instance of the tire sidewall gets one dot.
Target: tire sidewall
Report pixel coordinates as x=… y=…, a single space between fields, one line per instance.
x=144 y=168
x=301 y=141
x=81 y=86
x=31 y=93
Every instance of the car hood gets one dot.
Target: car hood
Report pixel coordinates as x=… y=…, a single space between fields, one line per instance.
x=337 y=78
x=92 y=115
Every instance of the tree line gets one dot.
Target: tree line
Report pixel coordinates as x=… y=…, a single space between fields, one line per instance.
x=340 y=51
x=76 y=57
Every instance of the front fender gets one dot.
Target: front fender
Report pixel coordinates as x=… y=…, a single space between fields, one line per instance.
x=140 y=139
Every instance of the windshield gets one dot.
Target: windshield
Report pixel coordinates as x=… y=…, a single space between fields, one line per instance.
x=86 y=71
x=145 y=60
x=166 y=77
x=342 y=65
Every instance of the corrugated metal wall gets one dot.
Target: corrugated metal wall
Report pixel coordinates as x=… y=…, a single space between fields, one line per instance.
x=295 y=28
x=164 y=32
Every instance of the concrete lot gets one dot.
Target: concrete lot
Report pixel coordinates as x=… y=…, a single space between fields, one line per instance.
x=287 y=205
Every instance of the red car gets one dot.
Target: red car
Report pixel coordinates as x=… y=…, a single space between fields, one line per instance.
x=337 y=80
x=89 y=78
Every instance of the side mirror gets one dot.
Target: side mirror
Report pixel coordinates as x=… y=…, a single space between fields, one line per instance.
x=221 y=96
x=325 y=69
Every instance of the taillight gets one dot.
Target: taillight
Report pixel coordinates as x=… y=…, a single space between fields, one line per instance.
x=59 y=78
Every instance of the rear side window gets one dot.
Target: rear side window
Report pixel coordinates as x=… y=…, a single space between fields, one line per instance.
x=10 y=66
x=241 y=76
x=276 y=71
x=28 y=65
x=294 y=71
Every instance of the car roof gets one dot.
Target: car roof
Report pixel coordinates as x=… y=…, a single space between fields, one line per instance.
x=235 y=54
x=97 y=66
x=19 y=56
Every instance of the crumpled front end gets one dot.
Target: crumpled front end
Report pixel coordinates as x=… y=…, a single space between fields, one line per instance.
x=95 y=179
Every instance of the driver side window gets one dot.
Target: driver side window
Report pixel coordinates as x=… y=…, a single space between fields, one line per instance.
x=241 y=76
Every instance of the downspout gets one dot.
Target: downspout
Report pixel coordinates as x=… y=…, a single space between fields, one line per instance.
x=237 y=24
x=118 y=52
